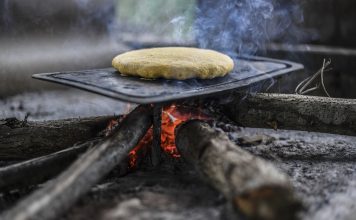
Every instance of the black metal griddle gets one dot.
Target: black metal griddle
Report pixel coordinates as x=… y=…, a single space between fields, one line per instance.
x=108 y=82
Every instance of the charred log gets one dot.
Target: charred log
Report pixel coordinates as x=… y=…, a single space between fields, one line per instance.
x=20 y=140
x=59 y=195
x=296 y=112
x=37 y=170
x=254 y=186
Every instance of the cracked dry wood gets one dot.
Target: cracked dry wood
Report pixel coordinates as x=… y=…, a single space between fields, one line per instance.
x=25 y=140
x=297 y=112
x=254 y=186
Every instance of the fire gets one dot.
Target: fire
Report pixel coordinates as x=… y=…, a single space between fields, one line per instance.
x=172 y=116
x=140 y=148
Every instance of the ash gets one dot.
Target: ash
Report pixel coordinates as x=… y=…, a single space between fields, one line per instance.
x=321 y=166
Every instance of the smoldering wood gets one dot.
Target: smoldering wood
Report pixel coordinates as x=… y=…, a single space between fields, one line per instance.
x=254 y=186
x=60 y=194
x=20 y=140
x=156 y=143
x=37 y=170
x=296 y=112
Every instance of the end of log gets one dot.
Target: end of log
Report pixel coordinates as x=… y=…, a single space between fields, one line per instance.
x=262 y=203
x=255 y=188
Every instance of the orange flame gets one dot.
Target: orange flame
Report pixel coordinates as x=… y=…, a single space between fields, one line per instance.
x=134 y=154
x=139 y=149
x=172 y=116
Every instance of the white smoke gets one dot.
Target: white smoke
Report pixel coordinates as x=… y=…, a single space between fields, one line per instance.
x=6 y=15
x=245 y=26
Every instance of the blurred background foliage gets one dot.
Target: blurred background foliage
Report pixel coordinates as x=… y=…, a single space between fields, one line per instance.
x=49 y=36
x=173 y=18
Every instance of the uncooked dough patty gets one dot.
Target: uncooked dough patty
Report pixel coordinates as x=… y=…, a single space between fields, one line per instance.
x=174 y=63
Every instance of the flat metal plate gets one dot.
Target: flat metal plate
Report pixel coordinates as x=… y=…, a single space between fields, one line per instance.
x=109 y=82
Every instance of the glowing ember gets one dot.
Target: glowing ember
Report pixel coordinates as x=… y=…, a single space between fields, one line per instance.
x=172 y=116
x=141 y=147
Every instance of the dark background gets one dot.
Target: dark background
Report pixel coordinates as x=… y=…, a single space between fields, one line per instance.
x=331 y=21
x=45 y=36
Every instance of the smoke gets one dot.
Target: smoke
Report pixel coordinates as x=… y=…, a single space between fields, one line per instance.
x=245 y=26
x=5 y=18
x=181 y=30
x=95 y=13
x=234 y=25
x=6 y=12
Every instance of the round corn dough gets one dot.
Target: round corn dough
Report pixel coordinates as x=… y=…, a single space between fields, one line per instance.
x=174 y=63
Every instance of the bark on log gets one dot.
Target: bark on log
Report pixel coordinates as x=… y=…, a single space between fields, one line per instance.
x=37 y=170
x=21 y=140
x=254 y=186
x=296 y=112
x=60 y=194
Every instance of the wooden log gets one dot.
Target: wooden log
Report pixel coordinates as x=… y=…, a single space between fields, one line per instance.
x=60 y=194
x=37 y=170
x=20 y=140
x=254 y=186
x=295 y=112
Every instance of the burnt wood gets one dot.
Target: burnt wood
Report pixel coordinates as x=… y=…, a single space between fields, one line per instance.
x=296 y=112
x=60 y=194
x=20 y=140
x=254 y=186
x=156 y=142
x=37 y=170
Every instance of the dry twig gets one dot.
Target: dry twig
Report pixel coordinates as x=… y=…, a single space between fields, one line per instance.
x=302 y=87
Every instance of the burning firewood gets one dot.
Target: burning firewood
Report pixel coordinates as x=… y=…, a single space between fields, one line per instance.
x=21 y=140
x=254 y=186
x=296 y=112
x=59 y=195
